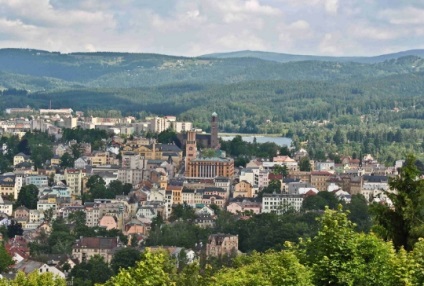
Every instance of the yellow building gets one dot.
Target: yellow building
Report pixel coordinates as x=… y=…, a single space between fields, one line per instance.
x=20 y=158
x=74 y=178
x=157 y=152
x=243 y=189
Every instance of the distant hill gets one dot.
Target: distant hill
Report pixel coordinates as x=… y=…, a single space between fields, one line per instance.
x=284 y=58
x=38 y=70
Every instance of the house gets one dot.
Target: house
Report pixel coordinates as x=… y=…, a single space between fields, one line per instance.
x=205 y=210
x=236 y=207
x=136 y=227
x=29 y=266
x=86 y=247
x=147 y=211
x=204 y=221
x=35 y=216
x=290 y=163
x=22 y=212
x=109 y=222
x=6 y=207
x=55 y=160
x=221 y=245
x=18 y=249
x=80 y=163
x=20 y=158
x=8 y=185
x=243 y=189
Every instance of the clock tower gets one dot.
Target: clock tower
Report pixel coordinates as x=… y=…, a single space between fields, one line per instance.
x=191 y=148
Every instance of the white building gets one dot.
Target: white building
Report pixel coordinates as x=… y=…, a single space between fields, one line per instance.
x=280 y=203
x=6 y=207
x=39 y=181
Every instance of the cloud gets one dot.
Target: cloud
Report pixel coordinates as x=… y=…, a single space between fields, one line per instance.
x=331 y=6
x=193 y=27
x=406 y=16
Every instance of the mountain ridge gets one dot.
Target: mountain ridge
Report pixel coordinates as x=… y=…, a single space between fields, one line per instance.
x=284 y=58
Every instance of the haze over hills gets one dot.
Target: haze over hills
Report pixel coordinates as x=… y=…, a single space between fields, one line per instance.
x=245 y=91
x=284 y=58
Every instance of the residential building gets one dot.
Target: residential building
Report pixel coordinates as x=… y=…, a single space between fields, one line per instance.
x=21 y=213
x=280 y=203
x=109 y=222
x=8 y=185
x=99 y=158
x=237 y=207
x=220 y=244
x=20 y=158
x=319 y=179
x=6 y=207
x=243 y=189
x=132 y=160
x=80 y=163
x=290 y=163
x=328 y=166
x=73 y=178
x=86 y=247
x=131 y=176
x=224 y=183
x=204 y=221
x=213 y=200
x=29 y=266
x=38 y=181
x=179 y=127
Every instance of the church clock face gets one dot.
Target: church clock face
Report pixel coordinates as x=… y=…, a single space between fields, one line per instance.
x=190 y=148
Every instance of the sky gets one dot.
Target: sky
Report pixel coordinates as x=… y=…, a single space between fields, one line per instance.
x=197 y=27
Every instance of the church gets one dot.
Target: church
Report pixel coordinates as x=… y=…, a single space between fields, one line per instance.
x=200 y=167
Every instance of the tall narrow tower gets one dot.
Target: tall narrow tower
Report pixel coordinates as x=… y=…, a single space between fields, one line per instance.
x=214 y=131
x=191 y=148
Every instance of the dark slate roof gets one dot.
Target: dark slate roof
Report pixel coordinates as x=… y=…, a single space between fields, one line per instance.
x=168 y=148
x=375 y=179
x=97 y=243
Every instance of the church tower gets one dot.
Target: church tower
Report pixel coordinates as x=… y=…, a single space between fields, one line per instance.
x=191 y=148
x=214 y=131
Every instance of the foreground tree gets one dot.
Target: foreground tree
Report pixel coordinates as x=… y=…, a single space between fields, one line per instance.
x=402 y=223
x=270 y=268
x=34 y=279
x=153 y=269
x=340 y=256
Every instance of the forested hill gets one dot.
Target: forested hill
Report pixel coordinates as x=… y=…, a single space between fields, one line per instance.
x=37 y=70
x=246 y=92
x=284 y=58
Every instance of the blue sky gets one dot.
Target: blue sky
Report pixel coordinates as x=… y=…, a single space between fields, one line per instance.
x=196 y=27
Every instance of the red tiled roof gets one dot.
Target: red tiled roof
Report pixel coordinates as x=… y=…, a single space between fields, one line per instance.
x=272 y=176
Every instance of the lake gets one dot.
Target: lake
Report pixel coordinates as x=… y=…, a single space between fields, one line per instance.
x=281 y=141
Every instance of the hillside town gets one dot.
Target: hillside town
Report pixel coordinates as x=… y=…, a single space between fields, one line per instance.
x=129 y=182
